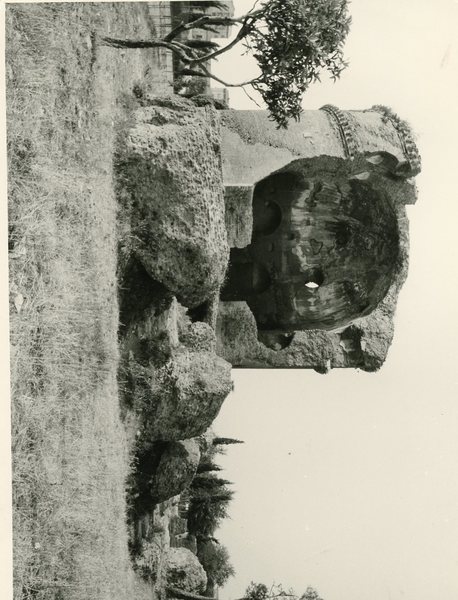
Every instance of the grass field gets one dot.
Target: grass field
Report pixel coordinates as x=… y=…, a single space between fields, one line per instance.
x=65 y=104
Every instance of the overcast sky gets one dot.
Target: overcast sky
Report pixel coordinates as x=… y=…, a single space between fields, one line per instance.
x=349 y=481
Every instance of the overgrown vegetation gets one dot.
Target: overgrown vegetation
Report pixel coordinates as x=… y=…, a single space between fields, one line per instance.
x=260 y=591
x=215 y=559
x=199 y=511
x=70 y=457
x=209 y=498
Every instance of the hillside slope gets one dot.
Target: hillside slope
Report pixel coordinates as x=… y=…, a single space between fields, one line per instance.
x=65 y=105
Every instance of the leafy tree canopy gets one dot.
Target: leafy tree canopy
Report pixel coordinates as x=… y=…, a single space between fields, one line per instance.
x=259 y=591
x=292 y=41
x=215 y=560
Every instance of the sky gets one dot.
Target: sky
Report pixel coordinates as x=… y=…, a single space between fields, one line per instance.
x=349 y=481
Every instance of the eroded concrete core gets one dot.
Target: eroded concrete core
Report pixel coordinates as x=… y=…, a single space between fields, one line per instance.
x=318 y=235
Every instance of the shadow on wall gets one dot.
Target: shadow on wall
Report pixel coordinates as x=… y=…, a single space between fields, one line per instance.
x=323 y=251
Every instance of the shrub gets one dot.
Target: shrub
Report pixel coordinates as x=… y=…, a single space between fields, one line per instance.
x=215 y=560
x=207 y=467
x=206 y=513
x=207 y=484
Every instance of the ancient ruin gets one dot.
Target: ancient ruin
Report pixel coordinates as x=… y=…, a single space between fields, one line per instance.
x=317 y=226
x=310 y=222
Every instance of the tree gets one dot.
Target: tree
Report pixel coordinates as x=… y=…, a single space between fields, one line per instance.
x=259 y=591
x=292 y=41
x=207 y=484
x=224 y=441
x=206 y=512
x=207 y=467
x=215 y=560
x=311 y=594
x=256 y=591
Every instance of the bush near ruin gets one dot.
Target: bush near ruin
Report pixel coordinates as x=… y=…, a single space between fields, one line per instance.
x=184 y=571
x=169 y=182
x=148 y=563
x=180 y=399
x=216 y=561
x=176 y=469
x=199 y=337
x=188 y=392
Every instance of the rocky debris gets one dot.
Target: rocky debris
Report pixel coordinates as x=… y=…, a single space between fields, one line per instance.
x=147 y=562
x=236 y=332
x=173 y=381
x=151 y=340
x=206 y=100
x=199 y=337
x=169 y=180
x=176 y=469
x=186 y=396
x=150 y=543
x=206 y=312
x=184 y=571
x=363 y=344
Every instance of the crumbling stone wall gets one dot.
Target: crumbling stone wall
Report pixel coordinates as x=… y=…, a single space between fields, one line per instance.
x=317 y=283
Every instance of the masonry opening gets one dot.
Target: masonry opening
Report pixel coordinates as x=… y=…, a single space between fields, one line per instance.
x=245 y=277
x=332 y=256
x=271 y=198
x=313 y=278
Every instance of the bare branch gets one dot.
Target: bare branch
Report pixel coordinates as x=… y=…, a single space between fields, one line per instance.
x=204 y=72
x=212 y=55
x=251 y=98
x=180 y=49
x=246 y=22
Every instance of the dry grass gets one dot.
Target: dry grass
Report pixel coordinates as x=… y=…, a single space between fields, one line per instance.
x=70 y=457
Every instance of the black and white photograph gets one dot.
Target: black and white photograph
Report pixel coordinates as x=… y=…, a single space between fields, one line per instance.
x=230 y=291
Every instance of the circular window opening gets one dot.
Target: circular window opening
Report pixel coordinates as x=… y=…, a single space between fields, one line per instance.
x=314 y=277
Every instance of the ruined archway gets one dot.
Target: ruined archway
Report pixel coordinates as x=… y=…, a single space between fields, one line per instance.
x=326 y=243
x=319 y=208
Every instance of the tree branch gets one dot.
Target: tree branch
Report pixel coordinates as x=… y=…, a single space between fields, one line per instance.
x=246 y=22
x=198 y=23
x=179 y=49
x=251 y=98
x=210 y=56
x=186 y=53
x=206 y=73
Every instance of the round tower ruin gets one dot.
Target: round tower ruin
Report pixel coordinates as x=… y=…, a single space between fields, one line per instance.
x=318 y=231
